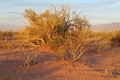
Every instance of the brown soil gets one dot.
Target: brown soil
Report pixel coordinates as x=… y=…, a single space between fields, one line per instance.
x=95 y=66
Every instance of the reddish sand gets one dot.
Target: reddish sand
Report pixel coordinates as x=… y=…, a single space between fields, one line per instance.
x=95 y=66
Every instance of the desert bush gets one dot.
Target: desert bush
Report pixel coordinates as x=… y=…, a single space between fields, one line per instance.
x=28 y=60
x=101 y=45
x=74 y=45
x=103 y=42
x=51 y=23
x=6 y=39
x=100 y=41
x=115 y=38
x=77 y=44
x=64 y=31
x=27 y=41
x=6 y=45
x=7 y=34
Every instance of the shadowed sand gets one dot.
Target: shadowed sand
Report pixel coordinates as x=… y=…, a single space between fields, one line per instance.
x=103 y=66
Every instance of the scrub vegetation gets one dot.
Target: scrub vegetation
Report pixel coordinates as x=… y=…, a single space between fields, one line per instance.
x=65 y=34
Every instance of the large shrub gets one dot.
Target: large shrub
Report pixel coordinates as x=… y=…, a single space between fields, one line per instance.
x=64 y=31
x=51 y=23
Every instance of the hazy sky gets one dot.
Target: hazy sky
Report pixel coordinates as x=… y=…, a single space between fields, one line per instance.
x=97 y=11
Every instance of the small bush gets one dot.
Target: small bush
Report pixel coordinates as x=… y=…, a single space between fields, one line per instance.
x=28 y=59
x=101 y=45
x=6 y=44
x=115 y=39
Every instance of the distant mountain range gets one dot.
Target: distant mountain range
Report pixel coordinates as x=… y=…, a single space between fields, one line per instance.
x=106 y=27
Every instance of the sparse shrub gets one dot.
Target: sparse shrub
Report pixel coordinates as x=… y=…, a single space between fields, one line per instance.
x=103 y=42
x=62 y=30
x=51 y=23
x=28 y=59
x=115 y=39
x=6 y=38
x=101 y=45
x=100 y=41
x=9 y=35
x=6 y=44
x=77 y=44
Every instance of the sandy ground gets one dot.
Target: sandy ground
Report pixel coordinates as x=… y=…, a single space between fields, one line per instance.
x=95 y=66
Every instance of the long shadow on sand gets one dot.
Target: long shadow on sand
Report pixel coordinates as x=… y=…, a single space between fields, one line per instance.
x=12 y=69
